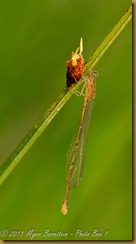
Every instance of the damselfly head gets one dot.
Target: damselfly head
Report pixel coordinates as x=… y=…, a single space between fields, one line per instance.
x=93 y=74
x=96 y=74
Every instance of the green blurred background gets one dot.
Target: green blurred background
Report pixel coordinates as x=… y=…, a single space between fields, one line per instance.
x=36 y=39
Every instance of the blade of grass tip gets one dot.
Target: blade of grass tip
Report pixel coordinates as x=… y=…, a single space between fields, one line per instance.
x=62 y=98
x=109 y=40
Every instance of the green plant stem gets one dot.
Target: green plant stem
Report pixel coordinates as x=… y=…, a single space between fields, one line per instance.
x=109 y=40
x=60 y=101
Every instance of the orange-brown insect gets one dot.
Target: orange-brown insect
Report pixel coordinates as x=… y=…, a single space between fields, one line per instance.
x=78 y=147
x=75 y=66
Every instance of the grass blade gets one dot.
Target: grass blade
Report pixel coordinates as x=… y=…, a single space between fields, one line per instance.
x=60 y=101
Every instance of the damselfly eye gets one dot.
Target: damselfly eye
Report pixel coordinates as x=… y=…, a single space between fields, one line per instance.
x=95 y=73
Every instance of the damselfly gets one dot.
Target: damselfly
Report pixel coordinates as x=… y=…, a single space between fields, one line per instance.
x=77 y=149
